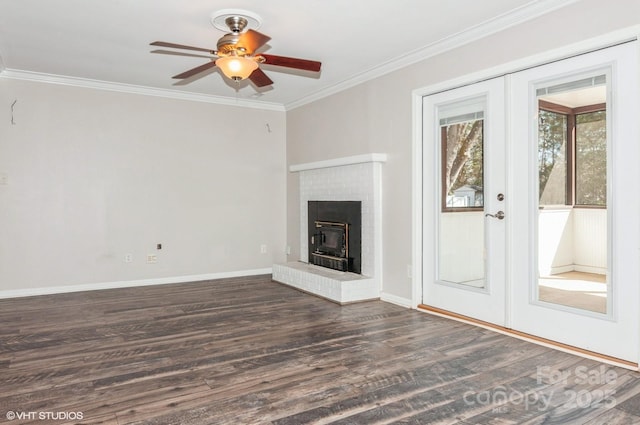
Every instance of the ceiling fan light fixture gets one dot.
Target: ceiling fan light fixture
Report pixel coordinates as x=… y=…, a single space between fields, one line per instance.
x=236 y=68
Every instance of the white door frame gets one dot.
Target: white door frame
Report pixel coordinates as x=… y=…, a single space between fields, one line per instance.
x=607 y=40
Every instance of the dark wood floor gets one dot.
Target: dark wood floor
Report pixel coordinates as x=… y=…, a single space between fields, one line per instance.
x=251 y=351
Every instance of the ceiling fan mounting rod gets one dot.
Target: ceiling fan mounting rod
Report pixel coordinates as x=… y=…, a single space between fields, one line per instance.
x=236 y=23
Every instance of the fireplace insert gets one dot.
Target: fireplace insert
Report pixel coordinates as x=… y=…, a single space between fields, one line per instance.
x=331 y=245
x=334 y=234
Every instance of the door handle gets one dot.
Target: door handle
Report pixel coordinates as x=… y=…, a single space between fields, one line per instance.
x=499 y=215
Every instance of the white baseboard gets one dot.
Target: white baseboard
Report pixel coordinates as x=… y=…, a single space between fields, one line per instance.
x=577 y=268
x=590 y=269
x=29 y=292
x=558 y=269
x=394 y=299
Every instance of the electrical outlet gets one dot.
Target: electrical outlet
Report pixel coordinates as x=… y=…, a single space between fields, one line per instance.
x=128 y=258
x=263 y=249
x=4 y=179
x=152 y=258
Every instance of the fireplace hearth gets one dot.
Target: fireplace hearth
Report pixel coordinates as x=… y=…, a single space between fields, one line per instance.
x=335 y=235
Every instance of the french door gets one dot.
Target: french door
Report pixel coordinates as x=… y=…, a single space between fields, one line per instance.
x=464 y=161
x=530 y=211
x=586 y=221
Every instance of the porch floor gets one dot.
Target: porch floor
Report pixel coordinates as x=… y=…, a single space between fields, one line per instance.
x=587 y=291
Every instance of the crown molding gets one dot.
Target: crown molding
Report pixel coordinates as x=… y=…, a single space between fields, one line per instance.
x=621 y=36
x=496 y=24
x=134 y=89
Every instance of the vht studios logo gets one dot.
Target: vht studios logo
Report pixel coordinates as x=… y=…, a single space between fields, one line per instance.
x=43 y=416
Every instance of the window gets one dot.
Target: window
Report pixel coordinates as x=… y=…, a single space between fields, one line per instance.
x=572 y=155
x=591 y=159
x=462 y=167
x=552 y=157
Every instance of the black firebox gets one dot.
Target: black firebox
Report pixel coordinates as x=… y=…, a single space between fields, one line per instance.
x=335 y=229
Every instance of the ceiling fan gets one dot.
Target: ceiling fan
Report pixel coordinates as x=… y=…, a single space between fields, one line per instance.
x=235 y=55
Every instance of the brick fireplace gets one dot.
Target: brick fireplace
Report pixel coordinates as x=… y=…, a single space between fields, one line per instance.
x=356 y=179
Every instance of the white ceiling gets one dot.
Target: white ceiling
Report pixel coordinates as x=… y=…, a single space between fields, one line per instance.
x=105 y=43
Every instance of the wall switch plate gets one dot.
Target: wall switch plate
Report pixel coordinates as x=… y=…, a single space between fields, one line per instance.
x=152 y=258
x=128 y=258
x=263 y=249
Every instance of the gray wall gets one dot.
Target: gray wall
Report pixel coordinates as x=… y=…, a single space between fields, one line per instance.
x=94 y=175
x=376 y=116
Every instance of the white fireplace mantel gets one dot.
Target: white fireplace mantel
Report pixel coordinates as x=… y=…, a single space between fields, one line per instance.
x=337 y=162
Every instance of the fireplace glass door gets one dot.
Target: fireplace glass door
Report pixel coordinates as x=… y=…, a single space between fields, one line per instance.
x=335 y=233
x=330 y=243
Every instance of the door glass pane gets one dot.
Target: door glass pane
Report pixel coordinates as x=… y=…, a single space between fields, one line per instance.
x=572 y=181
x=552 y=158
x=461 y=220
x=591 y=159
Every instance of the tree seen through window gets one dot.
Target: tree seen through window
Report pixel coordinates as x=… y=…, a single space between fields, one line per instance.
x=462 y=152
x=572 y=157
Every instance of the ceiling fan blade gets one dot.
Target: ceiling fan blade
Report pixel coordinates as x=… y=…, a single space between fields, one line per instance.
x=296 y=63
x=171 y=52
x=182 y=46
x=259 y=78
x=196 y=70
x=252 y=40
